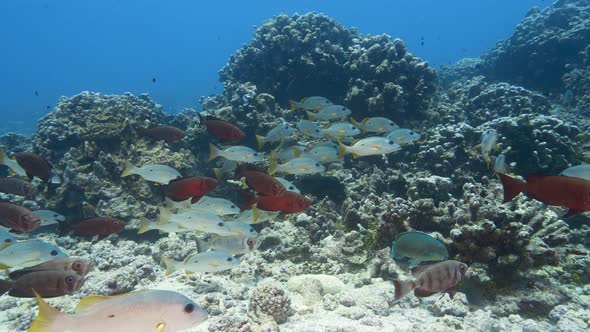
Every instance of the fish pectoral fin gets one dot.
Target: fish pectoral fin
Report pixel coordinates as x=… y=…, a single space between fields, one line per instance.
x=160 y=327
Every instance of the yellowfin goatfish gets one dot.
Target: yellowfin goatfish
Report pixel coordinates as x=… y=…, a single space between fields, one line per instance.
x=297 y=166
x=220 y=206
x=500 y=165
x=276 y=134
x=324 y=154
x=341 y=130
x=369 y=146
x=161 y=174
x=49 y=217
x=235 y=245
x=488 y=142
x=209 y=261
x=310 y=128
x=580 y=171
x=6 y=238
x=28 y=253
x=314 y=103
x=375 y=125
x=145 y=310
x=288 y=185
x=226 y=168
x=403 y=136
x=329 y=113
x=200 y=221
x=162 y=227
x=236 y=153
x=291 y=152
x=418 y=247
x=241 y=228
x=14 y=167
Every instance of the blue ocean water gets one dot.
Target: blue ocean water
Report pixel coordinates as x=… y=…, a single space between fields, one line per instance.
x=173 y=50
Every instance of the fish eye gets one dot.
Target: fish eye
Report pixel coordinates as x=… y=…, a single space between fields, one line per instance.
x=77 y=266
x=343 y=108
x=232 y=207
x=256 y=154
x=250 y=242
x=390 y=142
x=189 y=308
x=53 y=253
x=317 y=130
x=317 y=165
x=69 y=280
x=229 y=259
x=220 y=224
x=55 y=216
x=291 y=188
x=7 y=240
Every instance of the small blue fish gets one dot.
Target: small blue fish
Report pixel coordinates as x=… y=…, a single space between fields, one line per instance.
x=276 y=134
x=310 y=128
x=403 y=136
x=500 y=165
x=488 y=142
x=418 y=247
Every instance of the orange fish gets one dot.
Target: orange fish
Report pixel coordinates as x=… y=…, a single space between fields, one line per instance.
x=259 y=181
x=97 y=226
x=162 y=133
x=221 y=129
x=191 y=186
x=570 y=192
x=285 y=202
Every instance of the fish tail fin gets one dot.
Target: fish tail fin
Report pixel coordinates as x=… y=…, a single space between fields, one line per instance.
x=218 y=173
x=5 y=286
x=310 y=115
x=260 y=140
x=272 y=163
x=202 y=245
x=248 y=198
x=255 y=213
x=46 y=316
x=512 y=186
x=170 y=264
x=129 y=169
x=3 y=157
x=144 y=225
x=341 y=149
x=293 y=105
x=356 y=124
x=165 y=215
x=214 y=152
x=402 y=288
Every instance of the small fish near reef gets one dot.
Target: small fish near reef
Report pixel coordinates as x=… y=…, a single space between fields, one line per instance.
x=18 y=218
x=161 y=174
x=96 y=226
x=79 y=266
x=47 y=283
x=242 y=154
x=432 y=279
x=17 y=186
x=375 y=125
x=28 y=253
x=488 y=143
x=162 y=133
x=570 y=192
x=227 y=167
x=193 y=187
x=223 y=130
x=341 y=130
x=369 y=146
x=276 y=134
x=286 y=202
x=49 y=217
x=235 y=244
x=329 y=113
x=297 y=166
x=314 y=103
x=310 y=128
x=205 y=262
x=144 y=310
x=196 y=220
x=418 y=247
x=403 y=136
x=220 y=206
x=259 y=181
x=13 y=166
x=580 y=171
x=37 y=166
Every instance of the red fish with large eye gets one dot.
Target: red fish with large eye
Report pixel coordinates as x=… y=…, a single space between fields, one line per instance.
x=225 y=131
x=38 y=166
x=190 y=187
x=162 y=133
x=47 y=283
x=570 y=192
x=285 y=202
x=79 y=266
x=259 y=181
x=18 y=218
x=102 y=226
x=16 y=186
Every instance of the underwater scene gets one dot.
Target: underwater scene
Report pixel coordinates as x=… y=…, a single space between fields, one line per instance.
x=337 y=182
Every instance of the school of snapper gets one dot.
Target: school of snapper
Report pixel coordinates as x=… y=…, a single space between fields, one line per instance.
x=42 y=270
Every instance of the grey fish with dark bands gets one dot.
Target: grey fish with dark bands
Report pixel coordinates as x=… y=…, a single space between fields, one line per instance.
x=17 y=186
x=48 y=283
x=440 y=277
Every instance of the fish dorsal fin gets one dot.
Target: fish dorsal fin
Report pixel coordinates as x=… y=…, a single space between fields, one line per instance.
x=255 y=213
x=46 y=316
x=88 y=302
x=535 y=177
x=364 y=120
